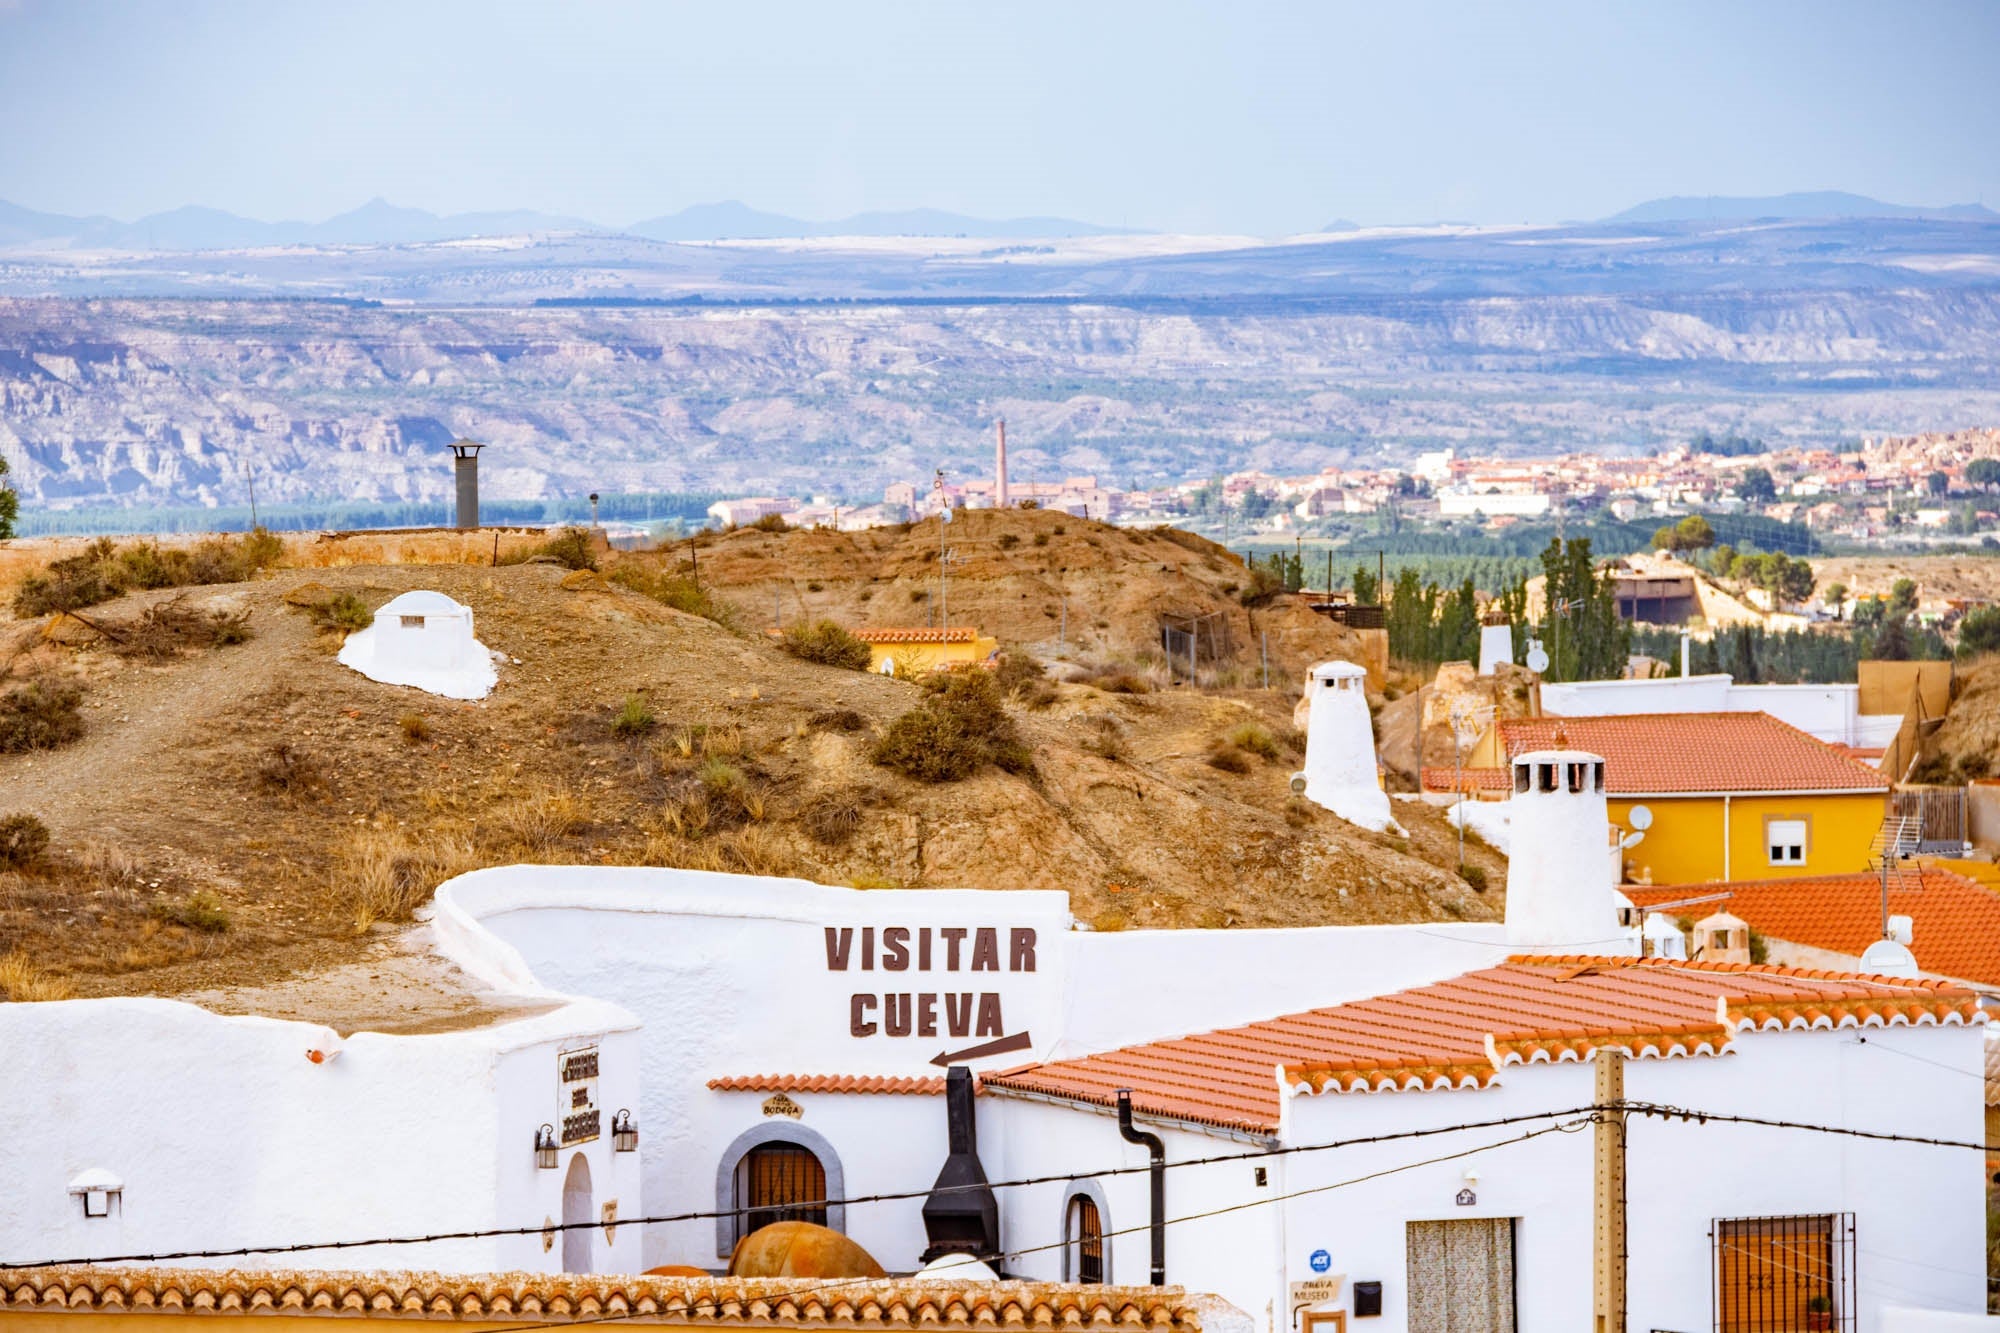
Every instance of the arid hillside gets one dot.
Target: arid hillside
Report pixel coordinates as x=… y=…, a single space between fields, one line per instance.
x=242 y=810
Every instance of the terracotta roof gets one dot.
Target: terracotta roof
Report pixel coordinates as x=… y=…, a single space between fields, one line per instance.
x=1955 y=921
x=1462 y=1032
x=1471 y=779
x=734 y=1302
x=1659 y=754
x=828 y=1083
x=918 y=634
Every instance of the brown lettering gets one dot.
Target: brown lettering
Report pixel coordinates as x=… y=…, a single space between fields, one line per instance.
x=924 y=949
x=857 y=1023
x=927 y=1014
x=953 y=937
x=839 y=943
x=1021 y=949
x=896 y=1015
x=896 y=948
x=868 y=948
x=986 y=950
x=989 y=1016
x=958 y=1013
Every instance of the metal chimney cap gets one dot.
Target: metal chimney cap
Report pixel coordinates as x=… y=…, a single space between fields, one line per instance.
x=464 y=448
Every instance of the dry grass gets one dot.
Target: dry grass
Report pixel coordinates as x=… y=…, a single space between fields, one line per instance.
x=1254 y=738
x=167 y=629
x=415 y=727
x=1229 y=759
x=288 y=770
x=386 y=875
x=22 y=982
x=540 y=824
x=41 y=713
x=832 y=818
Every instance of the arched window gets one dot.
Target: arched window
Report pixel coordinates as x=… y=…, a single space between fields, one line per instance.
x=1085 y=1222
x=781 y=1182
x=576 y=1216
x=1086 y=1240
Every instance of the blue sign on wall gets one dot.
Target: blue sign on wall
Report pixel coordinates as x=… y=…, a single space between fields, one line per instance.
x=1320 y=1261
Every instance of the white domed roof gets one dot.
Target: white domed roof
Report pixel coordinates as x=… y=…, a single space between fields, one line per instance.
x=423 y=602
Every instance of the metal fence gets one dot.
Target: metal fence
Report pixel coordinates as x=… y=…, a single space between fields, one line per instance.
x=1936 y=813
x=1784 y=1274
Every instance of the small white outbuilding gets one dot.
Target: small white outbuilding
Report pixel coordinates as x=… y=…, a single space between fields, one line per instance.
x=423 y=639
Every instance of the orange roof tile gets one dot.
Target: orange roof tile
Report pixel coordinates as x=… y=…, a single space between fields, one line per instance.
x=918 y=634
x=1955 y=921
x=1662 y=754
x=1460 y=1033
x=564 y=1298
x=1470 y=779
x=866 y=1083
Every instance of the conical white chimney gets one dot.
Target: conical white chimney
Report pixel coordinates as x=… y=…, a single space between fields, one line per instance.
x=1340 y=768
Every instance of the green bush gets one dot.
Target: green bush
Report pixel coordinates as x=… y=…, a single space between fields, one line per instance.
x=827 y=644
x=23 y=839
x=1256 y=739
x=961 y=728
x=200 y=911
x=682 y=594
x=342 y=611
x=105 y=571
x=571 y=547
x=634 y=717
x=40 y=715
x=1475 y=876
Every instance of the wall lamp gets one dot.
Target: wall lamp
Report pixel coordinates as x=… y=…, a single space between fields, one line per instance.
x=624 y=1132
x=546 y=1148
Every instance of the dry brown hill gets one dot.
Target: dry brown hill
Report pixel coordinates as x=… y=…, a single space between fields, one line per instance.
x=239 y=812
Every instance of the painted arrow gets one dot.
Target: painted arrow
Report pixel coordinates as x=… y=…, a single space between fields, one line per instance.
x=999 y=1046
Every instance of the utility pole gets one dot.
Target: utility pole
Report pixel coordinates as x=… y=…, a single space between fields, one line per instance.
x=1608 y=1284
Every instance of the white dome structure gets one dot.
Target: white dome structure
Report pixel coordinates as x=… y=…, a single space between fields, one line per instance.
x=1340 y=768
x=423 y=639
x=1560 y=896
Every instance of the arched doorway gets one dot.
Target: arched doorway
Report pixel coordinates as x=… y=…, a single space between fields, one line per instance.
x=577 y=1216
x=773 y=1172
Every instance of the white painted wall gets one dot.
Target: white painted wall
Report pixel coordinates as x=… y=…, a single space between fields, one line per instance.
x=226 y=1135
x=1830 y=712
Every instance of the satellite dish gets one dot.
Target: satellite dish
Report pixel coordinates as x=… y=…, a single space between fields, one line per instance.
x=947 y=513
x=1538 y=657
x=1887 y=958
x=1640 y=818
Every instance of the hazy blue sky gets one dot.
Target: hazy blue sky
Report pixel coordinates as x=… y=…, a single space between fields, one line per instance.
x=1238 y=116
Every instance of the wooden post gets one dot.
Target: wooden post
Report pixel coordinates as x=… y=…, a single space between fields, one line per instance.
x=1608 y=1286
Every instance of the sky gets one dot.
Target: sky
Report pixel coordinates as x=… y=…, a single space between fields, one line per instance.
x=1249 y=118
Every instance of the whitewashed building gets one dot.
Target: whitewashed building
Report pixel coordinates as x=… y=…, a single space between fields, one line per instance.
x=1341 y=772
x=1384 y=1123
x=423 y=639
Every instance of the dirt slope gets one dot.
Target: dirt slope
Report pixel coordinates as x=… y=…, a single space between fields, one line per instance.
x=179 y=787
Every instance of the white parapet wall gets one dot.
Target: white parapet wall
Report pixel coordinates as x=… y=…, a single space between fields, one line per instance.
x=241 y=1132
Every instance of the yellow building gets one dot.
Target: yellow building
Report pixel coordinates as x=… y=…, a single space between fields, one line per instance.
x=908 y=650
x=1719 y=795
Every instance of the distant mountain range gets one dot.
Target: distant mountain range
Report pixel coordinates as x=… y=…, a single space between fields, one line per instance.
x=1813 y=204
x=379 y=222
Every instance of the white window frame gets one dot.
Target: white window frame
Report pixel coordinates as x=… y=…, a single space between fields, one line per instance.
x=1774 y=847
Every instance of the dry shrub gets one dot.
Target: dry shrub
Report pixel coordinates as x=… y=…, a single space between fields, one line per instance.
x=343 y=612
x=386 y=875
x=200 y=911
x=955 y=732
x=827 y=644
x=634 y=717
x=1021 y=675
x=832 y=818
x=21 y=982
x=41 y=713
x=164 y=629
x=23 y=840
x=1264 y=586
x=1116 y=680
x=837 y=719
x=1300 y=812
x=539 y=823
x=286 y=769
x=1254 y=738
x=105 y=570
x=415 y=727
x=571 y=548
x=772 y=523
x=1229 y=759
x=682 y=594
x=1104 y=736
x=1474 y=876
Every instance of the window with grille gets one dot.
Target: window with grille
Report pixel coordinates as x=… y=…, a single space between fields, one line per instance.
x=1085 y=1226
x=1785 y=1274
x=781 y=1182
x=1787 y=841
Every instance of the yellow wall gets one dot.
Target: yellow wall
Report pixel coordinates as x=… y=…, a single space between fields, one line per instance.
x=1685 y=843
x=915 y=657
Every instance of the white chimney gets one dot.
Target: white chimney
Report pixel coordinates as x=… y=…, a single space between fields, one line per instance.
x=1340 y=748
x=1560 y=898
x=1496 y=645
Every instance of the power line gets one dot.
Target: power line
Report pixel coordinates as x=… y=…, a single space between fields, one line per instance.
x=1656 y=1110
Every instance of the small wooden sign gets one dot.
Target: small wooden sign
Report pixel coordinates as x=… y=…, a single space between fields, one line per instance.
x=780 y=1104
x=1318 y=1289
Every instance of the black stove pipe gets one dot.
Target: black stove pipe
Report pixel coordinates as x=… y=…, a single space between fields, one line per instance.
x=1157 y=1151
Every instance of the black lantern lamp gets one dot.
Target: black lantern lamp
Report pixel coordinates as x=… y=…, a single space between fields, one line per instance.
x=546 y=1148
x=624 y=1133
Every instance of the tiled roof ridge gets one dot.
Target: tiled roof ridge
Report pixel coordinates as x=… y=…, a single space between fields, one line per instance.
x=1608 y=961
x=892 y=1302
x=893 y=1084
x=1646 y=762
x=918 y=633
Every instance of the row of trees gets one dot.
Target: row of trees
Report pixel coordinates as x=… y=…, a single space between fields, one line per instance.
x=1580 y=628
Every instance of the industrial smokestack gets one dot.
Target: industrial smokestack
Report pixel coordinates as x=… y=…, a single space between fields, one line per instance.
x=466 y=467
x=1000 y=468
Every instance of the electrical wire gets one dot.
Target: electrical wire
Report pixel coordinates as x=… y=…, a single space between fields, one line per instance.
x=1654 y=1110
